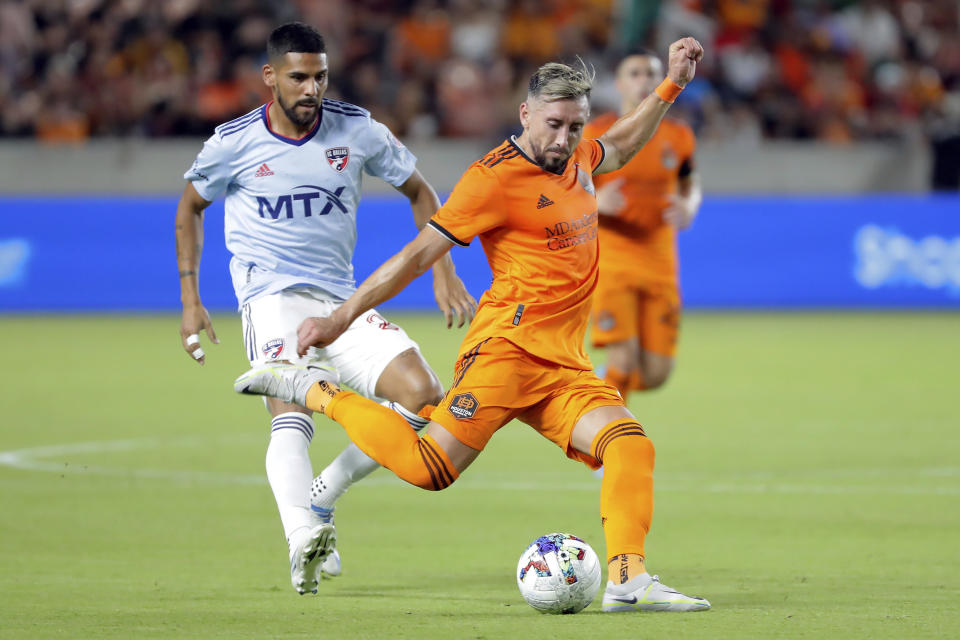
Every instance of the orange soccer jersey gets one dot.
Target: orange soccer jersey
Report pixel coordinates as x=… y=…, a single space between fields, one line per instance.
x=539 y=232
x=523 y=356
x=649 y=179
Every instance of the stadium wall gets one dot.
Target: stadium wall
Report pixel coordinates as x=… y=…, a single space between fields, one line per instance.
x=95 y=253
x=156 y=166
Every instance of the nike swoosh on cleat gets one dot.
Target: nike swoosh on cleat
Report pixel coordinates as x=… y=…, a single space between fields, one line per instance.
x=630 y=600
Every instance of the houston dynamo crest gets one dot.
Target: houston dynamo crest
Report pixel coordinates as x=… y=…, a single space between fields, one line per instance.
x=338 y=157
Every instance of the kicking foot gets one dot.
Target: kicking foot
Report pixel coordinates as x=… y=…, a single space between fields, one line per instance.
x=308 y=551
x=288 y=382
x=646 y=593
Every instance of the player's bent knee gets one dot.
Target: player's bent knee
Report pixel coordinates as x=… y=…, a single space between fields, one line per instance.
x=633 y=452
x=656 y=380
x=409 y=381
x=427 y=481
x=421 y=389
x=432 y=468
x=656 y=374
x=623 y=442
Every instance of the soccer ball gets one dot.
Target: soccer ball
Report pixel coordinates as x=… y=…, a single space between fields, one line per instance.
x=558 y=573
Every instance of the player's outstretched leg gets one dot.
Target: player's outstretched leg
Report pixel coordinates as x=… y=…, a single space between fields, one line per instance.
x=379 y=432
x=348 y=468
x=626 y=509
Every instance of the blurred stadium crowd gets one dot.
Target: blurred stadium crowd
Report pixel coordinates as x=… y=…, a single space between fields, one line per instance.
x=830 y=70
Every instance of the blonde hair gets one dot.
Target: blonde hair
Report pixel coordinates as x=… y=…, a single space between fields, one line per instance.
x=557 y=81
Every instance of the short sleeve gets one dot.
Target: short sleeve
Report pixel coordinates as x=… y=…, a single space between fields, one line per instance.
x=595 y=153
x=389 y=159
x=475 y=206
x=211 y=172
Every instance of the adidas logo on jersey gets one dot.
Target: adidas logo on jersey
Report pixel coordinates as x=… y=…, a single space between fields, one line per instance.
x=544 y=201
x=263 y=171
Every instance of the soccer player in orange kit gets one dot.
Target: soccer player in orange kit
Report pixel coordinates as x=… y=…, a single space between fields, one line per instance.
x=531 y=201
x=636 y=308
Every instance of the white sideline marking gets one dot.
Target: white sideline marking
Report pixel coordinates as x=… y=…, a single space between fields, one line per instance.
x=748 y=482
x=30 y=459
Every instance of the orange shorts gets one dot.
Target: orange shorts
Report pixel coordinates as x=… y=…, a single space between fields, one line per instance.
x=497 y=381
x=650 y=314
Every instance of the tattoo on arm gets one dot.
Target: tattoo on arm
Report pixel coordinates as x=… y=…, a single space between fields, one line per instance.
x=189 y=272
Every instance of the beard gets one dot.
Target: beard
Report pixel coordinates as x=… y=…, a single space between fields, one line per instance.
x=301 y=120
x=553 y=164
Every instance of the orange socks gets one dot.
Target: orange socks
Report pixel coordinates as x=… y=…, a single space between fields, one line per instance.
x=385 y=436
x=626 y=495
x=320 y=394
x=623 y=568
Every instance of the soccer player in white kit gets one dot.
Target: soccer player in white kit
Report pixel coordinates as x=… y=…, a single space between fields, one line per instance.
x=291 y=172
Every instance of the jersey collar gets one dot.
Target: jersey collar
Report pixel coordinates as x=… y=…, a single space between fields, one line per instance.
x=265 y=116
x=513 y=141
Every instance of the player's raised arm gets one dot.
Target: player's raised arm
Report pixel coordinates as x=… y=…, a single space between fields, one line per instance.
x=189 y=233
x=384 y=283
x=451 y=294
x=628 y=134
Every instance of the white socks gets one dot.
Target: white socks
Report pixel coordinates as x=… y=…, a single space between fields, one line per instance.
x=289 y=470
x=352 y=465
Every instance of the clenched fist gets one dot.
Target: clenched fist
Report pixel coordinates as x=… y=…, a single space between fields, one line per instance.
x=682 y=61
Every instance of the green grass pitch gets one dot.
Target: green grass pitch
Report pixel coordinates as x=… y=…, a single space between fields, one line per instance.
x=808 y=484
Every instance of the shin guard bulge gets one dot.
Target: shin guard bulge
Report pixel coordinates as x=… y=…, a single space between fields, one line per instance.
x=626 y=495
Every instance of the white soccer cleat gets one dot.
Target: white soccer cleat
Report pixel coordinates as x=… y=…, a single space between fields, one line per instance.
x=308 y=552
x=646 y=593
x=287 y=382
x=330 y=567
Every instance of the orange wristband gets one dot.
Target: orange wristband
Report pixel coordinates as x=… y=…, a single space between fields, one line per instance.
x=668 y=90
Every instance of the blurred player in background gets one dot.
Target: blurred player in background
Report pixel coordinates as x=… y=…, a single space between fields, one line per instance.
x=291 y=172
x=532 y=203
x=636 y=308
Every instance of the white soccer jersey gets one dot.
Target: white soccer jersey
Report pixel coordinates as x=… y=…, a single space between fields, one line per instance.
x=291 y=204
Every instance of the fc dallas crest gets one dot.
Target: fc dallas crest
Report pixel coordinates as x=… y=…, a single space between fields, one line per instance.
x=338 y=157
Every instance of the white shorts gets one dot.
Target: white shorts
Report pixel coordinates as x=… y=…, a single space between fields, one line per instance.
x=359 y=355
